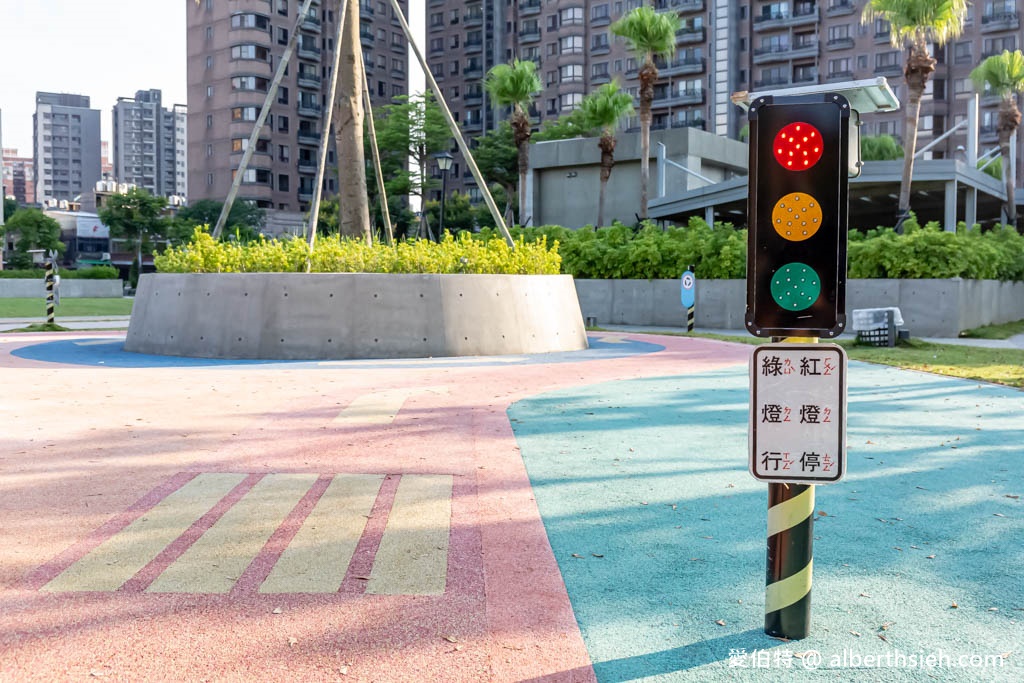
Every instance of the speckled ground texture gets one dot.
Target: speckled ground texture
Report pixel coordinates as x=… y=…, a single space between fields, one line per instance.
x=93 y=438
x=660 y=531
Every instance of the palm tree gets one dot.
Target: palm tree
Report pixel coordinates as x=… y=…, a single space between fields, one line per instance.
x=516 y=85
x=1003 y=75
x=650 y=34
x=604 y=108
x=915 y=24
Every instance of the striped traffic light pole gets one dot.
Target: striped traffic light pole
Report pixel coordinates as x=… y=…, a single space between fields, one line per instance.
x=50 y=280
x=787 y=596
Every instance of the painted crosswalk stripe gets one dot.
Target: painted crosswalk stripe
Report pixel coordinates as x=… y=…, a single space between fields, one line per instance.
x=413 y=555
x=316 y=559
x=123 y=555
x=214 y=562
x=380 y=407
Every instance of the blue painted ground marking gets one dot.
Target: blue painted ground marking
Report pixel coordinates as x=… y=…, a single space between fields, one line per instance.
x=659 y=530
x=110 y=353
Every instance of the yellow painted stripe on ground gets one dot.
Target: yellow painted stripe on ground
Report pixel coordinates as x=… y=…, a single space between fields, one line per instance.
x=214 y=562
x=789 y=590
x=380 y=407
x=612 y=339
x=788 y=514
x=413 y=555
x=318 y=556
x=125 y=553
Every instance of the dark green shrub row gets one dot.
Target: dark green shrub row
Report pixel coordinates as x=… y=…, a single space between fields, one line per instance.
x=93 y=273
x=720 y=253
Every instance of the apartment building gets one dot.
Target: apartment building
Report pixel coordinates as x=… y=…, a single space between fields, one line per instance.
x=65 y=146
x=721 y=48
x=233 y=52
x=19 y=177
x=146 y=138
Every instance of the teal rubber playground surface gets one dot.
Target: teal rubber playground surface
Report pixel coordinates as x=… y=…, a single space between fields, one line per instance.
x=659 y=530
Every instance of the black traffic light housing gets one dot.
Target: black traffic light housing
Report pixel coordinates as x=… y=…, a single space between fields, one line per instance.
x=797 y=218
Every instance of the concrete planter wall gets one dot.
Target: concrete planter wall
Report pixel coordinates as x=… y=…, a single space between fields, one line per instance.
x=320 y=316
x=71 y=289
x=930 y=308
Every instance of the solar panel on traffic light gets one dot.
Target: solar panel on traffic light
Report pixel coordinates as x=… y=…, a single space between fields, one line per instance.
x=797 y=216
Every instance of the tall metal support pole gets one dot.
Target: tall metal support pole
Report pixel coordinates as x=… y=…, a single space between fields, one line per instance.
x=50 y=281
x=381 y=192
x=325 y=135
x=444 y=191
x=282 y=65
x=499 y=221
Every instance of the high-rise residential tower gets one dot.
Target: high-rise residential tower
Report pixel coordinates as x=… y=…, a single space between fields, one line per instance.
x=146 y=140
x=66 y=147
x=233 y=52
x=721 y=48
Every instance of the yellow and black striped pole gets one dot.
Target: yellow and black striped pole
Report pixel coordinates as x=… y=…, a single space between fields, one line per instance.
x=787 y=595
x=50 y=280
x=790 y=563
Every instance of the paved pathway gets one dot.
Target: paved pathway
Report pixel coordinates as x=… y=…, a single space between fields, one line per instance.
x=566 y=517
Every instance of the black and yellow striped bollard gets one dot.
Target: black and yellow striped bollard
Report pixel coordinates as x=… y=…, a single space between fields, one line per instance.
x=787 y=598
x=50 y=281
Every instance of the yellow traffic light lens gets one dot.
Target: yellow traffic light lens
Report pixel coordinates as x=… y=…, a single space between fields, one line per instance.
x=797 y=146
x=796 y=216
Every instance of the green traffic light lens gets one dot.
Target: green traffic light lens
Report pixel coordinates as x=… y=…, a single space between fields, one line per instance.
x=795 y=286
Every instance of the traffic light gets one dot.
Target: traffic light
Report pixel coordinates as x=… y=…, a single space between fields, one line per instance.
x=797 y=216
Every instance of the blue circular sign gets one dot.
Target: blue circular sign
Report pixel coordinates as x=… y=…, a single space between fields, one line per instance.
x=686 y=292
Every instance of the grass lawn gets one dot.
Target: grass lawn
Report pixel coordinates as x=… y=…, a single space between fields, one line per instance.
x=36 y=308
x=1000 y=366
x=1004 y=331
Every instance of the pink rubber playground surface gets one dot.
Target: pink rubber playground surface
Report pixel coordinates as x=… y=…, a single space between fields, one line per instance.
x=86 y=451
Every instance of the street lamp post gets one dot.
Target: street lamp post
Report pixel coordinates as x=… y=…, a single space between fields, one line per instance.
x=444 y=164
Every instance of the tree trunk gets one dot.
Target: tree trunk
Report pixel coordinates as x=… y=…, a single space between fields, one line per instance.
x=648 y=75
x=920 y=66
x=607 y=145
x=1008 y=122
x=353 y=209
x=521 y=134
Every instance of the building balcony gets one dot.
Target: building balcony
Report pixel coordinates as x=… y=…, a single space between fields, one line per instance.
x=883 y=37
x=803 y=79
x=309 y=80
x=471 y=19
x=784 y=53
x=366 y=11
x=839 y=8
x=695 y=96
x=398 y=48
x=598 y=50
x=473 y=125
x=473 y=99
x=680 y=67
x=692 y=123
x=529 y=7
x=311 y=23
x=306 y=165
x=690 y=35
x=473 y=46
x=473 y=72
x=600 y=79
x=988 y=133
x=366 y=36
x=308 y=51
x=1002 y=21
x=308 y=137
x=839 y=44
x=772 y=82
x=600 y=20
x=529 y=36
x=307 y=109
x=839 y=76
x=690 y=5
x=889 y=70
x=799 y=17
x=305 y=194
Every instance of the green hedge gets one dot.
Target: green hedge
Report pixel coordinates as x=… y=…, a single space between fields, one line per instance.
x=93 y=273
x=462 y=254
x=616 y=252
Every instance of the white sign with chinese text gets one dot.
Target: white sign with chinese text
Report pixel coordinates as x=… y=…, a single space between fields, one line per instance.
x=798 y=413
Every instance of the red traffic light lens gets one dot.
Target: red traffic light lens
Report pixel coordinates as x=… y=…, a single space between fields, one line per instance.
x=797 y=147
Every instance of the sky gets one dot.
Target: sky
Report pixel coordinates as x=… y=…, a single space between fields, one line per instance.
x=101 y=48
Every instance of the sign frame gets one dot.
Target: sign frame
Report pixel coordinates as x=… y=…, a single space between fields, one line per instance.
x=758 y=446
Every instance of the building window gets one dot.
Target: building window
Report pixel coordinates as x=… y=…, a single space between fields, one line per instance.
x=209 y=120
x=254 y=83
x=282 y=36
x=599 y=12
x=241 y=144
x=283 y=153
x=209 y=62
x=282 y=95
x=209 y=91
x=209 y=150
x=569 y=101
x=209 y=179
x=254 y=176
x=283 y=181
x=570 y=45
x=282 y=124
x=570 y=73
x=244 y=20
x=257 y=52
x=570 y=16
x=209 y=33
x=244 y=114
